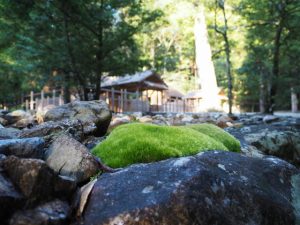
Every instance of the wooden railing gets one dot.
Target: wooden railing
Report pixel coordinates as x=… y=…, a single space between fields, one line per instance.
x=40 y=100
x=119 y=101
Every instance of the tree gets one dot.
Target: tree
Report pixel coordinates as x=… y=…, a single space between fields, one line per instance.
x=223 y=30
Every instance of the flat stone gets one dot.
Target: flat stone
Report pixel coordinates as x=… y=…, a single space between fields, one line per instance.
x=24 y=148
x=52 y=213
x=68 y=157
x=10 y=198
x=210 y=188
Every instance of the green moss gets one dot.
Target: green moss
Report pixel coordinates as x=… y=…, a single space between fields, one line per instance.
x=218 y=134
x=142 y=143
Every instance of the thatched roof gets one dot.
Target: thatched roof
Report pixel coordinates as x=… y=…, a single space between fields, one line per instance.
x=147 y=80
x=173 y=93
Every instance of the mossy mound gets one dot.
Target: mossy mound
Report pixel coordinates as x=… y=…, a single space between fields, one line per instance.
x=218 y=134
x=142 y=143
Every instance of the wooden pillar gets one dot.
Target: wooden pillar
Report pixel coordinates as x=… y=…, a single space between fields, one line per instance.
x=53 y=96
x=294 y=100
x=107 y=97
x=60 y=100
x=42 y=99
x=125 y=100
x=137 y=100
x=27 y=105
x=48 y=100
x=113 y=99
x=31 y=100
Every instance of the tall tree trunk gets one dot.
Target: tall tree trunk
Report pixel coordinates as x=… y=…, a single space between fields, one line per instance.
x=275 y=70
x=204 y=64
x=262 y=91
x=66 y=88
x=99 y=56
x=224 y=33
x=228 y=61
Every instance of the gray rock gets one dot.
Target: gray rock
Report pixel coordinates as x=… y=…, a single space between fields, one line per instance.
x=70 y=158
x=36 y=181
x=270 y=118
x=17 y=115
x=90 y=113
x=3 y=122
x=24 y=148
x=51 y=213
x=209 y=188
x=283 y=144
x=9 y=133
x=10 y=198
x=49 y=129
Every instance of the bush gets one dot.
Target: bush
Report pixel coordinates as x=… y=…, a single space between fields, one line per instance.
x=143 y=143
x=218 y=134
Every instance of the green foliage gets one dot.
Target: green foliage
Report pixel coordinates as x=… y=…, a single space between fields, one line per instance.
x=143 y=143
x=218 y=134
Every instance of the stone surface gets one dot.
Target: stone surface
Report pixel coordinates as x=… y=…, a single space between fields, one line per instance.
x=283 y=144
x=51 y=213
x=89 y=113
x=36 y=181
x=3 y=122
x=49 y=130
x=224 y=121
x=9 y=133
x=10 y=198
x=281 y=139
x=17 y=115
x=117 y=121
x=210 y=188
x=270 y=118
x=25 y=148
x=70 y=158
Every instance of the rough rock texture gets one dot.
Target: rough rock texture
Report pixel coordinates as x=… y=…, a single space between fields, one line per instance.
x=9 y=133
x=49 y=129
x=210 y=188
x=3 y=122
x=36 y=181
x=283 y=144
x=10 y=198
x=19 y=118
x=281 y=139
x=224 y=121
x=89 y=112
x=25 y=148
x=51 y=213
x=70 y=158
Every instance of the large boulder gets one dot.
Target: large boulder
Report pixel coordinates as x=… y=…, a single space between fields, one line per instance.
x=36 y=181
x=90 y=113
x=51 y=213
x=280 y=139
x=50 y=130
x=210 y=188
x=24 y=148
x=70 y=158
x=19 y=118
x=10 y=198
x=8 y=133
x=283 y=144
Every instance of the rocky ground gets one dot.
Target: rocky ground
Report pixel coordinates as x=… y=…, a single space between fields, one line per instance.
x=48 y=175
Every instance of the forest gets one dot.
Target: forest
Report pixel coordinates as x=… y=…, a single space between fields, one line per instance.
x=72 y=44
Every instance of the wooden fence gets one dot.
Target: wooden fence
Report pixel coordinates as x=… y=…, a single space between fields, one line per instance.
x=119 y=101
x=40 y=100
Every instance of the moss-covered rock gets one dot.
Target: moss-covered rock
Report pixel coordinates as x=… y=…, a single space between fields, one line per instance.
x=142 y=143
x=218 y=134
